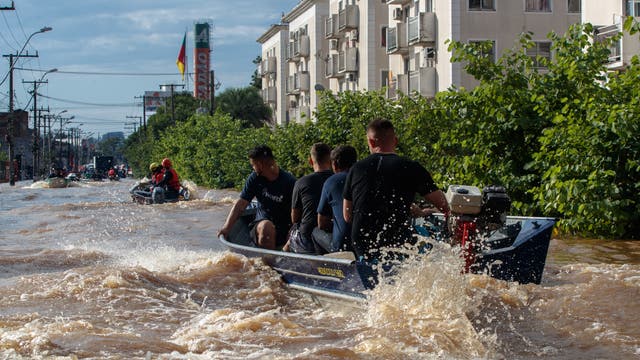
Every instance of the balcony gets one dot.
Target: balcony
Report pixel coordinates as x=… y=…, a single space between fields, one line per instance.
x=298 y=82
x=348 y=18
x=604 y=33
x=299 y=114
x=331 y=68
x=298 y=48
x=422 y=29
x=348 y=60
x=269 y=94
x=397 y=40
x=331 y=27
x=398 y=2
x=423 y=81
x=268 y=66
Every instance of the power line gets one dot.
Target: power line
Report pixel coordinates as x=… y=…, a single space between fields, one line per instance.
x=102 y=73
x=85 y=103
x=9 y=28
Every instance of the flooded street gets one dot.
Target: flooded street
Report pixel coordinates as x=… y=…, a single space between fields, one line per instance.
x=86 y=273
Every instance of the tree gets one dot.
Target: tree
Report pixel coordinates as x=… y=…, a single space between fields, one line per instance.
x=256 y=78
x=244 y=104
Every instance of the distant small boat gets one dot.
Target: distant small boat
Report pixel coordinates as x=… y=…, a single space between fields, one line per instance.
x=141 y=194
x=56 y=182
x=515 y=252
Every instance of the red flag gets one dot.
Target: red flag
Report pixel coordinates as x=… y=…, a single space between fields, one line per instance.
x=181 y=56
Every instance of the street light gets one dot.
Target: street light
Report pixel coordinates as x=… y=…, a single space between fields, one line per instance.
x=12 y=180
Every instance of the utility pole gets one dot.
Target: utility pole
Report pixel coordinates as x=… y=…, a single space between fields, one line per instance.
x=42 y=125
x=135 y=117
x=35 y=124
x=128 y=124
x=212 y=92
x=144 y=110
x=173 y=111
x=12 y=180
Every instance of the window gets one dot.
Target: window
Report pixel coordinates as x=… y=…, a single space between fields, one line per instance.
x=538 y=5
x=482 y=5
x=574 y=6
x=540 y=50
x=383 y=37
x=488 y=48
x=384 y=78
x=633 y=8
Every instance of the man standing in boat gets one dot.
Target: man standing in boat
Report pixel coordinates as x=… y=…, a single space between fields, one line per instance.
x=272 y=187
x=379 y=191
x=306 y=196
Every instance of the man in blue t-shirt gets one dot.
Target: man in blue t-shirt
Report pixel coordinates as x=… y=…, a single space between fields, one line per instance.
x=272 y=187
x=333 y=233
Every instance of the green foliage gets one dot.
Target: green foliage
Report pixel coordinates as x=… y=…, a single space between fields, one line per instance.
x=256 y=78
x=564 y=141
x=244 y=104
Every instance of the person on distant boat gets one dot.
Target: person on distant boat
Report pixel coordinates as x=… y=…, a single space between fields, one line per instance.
x=333 y=232
x=305 y=199
x=169 y=186
x=156 y=173
x=56 y=172
x=379 y=191
x=272 y=187
x=112 y=173
x=155 y=177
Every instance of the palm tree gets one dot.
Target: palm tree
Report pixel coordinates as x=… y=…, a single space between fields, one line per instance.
x=244 y=104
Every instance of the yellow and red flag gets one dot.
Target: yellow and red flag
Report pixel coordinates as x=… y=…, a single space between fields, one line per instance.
x=181 y=56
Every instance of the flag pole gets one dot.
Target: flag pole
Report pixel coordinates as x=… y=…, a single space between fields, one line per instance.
x=186 y=61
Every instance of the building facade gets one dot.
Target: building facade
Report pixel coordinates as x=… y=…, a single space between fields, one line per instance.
x=401 y=45
x=608 y=19
x=273 y=71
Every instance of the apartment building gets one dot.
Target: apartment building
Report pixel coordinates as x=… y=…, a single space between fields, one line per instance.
x=418 y=31
x=306 y=47
x=401 y=45
x=608 y=18
x=356 y=32
x=273 y=71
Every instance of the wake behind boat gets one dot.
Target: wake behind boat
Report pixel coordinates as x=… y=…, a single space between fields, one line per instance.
x=515 y=250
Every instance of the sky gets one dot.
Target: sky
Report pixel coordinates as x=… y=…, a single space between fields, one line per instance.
x=109 y=52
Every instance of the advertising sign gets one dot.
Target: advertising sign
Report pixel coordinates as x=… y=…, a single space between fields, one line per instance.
x=202 y=61
x=155 y=99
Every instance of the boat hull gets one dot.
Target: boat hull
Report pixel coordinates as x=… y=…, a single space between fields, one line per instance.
x=56 y=182
x=516 y=254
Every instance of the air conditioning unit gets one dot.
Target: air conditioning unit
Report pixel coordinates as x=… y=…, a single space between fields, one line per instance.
x=429 y=53
x=397 y=14
x=333 y=44
x=353 y=35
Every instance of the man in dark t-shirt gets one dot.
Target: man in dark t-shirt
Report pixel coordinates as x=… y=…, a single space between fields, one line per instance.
x=306 y=196
x=379 y=191
x=272 y=187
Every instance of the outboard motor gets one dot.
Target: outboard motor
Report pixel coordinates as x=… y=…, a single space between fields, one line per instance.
x=475 y=213
x=465 y=203
x=495 y=207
